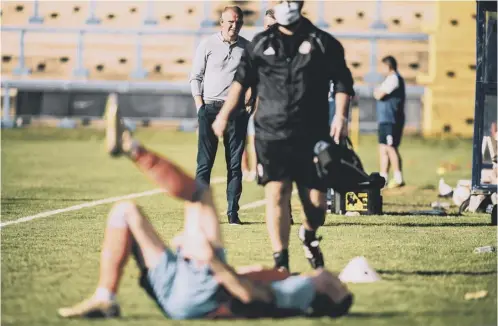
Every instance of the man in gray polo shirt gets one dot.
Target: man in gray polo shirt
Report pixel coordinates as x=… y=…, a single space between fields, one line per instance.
x=214 y=66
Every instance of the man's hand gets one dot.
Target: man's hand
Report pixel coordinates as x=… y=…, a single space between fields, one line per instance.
x=199 y=102
x=219 y=126
x=338 y=128
x=378 y=94
x=231 y=103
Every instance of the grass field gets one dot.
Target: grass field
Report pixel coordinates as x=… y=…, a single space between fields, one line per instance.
x=427 y=263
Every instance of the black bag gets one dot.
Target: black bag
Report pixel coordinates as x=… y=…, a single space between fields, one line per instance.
x=341 y=168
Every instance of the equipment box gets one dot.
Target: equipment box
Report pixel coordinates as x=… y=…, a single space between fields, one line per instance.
x=366 y=201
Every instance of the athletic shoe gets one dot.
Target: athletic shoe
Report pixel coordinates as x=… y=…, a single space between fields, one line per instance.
x=312 y=250
x=118 y=138
x=393 y=184
x=91 y=308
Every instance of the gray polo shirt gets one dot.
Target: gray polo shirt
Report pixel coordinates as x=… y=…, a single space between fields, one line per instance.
x=214 y=66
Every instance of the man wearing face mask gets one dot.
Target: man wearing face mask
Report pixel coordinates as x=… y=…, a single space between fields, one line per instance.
x=214 y=67
x=292 y=64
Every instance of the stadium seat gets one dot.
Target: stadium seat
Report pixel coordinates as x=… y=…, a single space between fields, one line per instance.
x=184 y=15
x=63 y=13
x=109 y=56
x=16 y=12
x=411 y=56
x=407 y=16
x=450 y=80
x=345 y=15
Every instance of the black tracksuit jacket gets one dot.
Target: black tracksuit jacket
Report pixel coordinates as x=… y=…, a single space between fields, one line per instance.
x=293 y=89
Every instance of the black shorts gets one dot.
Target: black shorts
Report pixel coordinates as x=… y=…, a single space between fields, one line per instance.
x=390 y=133
x=279 y=160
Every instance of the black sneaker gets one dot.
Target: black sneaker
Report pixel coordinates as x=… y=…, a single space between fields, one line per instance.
x=312 y=249
x=233 y=219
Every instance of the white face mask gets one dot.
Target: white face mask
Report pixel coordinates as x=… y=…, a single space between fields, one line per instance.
x=287 y=13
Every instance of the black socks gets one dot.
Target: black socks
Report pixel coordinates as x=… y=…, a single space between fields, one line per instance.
x=281 y=259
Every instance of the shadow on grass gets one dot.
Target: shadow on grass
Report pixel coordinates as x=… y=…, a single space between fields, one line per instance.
x=384 y=314
x=404 y=205
x=427 y=213
x=408 y=225
x=243 y=223
x=145 y=317
x=434 y=273
x=388 y=314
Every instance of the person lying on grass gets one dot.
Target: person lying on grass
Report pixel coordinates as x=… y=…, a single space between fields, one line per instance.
x=194 y=281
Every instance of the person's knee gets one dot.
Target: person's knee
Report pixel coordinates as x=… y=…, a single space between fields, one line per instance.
x=383 y=149
x=315 y=216
x=314 y=206
x=278 y=193
x=391 y=150
x=124 y=214
x=118 y=217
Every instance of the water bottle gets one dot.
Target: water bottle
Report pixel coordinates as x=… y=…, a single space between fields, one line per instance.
x=485 y=249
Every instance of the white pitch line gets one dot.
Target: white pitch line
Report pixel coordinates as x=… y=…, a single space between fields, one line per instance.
x=93 y=204
x=254 y=204
x=258 y=203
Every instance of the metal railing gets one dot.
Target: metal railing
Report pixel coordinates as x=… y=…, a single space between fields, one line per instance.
x=377 y=32
x=139 y=33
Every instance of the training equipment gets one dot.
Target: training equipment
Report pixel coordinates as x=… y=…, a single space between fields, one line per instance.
x=460 y=195
x=350 y=188
x=445 y=190
x=485 y=249
x=484 y=158
x=359 y=271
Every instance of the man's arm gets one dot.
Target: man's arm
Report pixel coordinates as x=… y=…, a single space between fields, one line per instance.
x=342 y=78
x=387 y=87
x=241 y=288
x=343 y=88
x=196 y=245
x=250 y=98
x=245 y=77
x=231 y=103
x=197 y=74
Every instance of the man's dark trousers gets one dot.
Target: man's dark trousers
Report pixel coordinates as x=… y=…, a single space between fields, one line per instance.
x=234 y=141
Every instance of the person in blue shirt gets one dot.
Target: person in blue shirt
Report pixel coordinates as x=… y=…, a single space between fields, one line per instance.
x=390 y=106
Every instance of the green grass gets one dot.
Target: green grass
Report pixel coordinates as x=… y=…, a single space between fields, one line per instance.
x=427 y=263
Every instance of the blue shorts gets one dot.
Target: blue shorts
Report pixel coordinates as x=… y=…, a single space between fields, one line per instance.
x=390 y=134
x=182 y=288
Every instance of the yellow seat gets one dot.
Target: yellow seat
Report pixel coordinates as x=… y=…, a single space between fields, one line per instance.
x=16 y=12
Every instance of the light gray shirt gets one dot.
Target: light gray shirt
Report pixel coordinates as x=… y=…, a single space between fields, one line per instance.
x=214 y=66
